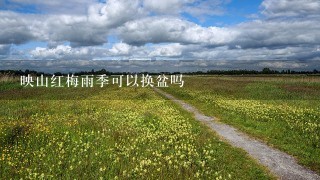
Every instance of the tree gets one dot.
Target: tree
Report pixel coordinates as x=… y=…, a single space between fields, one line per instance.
x=266 y=71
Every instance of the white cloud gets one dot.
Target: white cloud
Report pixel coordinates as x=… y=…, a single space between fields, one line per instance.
x=61 y=52
x=19 y=29
x=168 y=29
x=77 y=30
x=121 y=49
x=169 y=50
x=115 y=12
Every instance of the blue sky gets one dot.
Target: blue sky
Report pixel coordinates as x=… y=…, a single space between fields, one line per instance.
x=167 y=29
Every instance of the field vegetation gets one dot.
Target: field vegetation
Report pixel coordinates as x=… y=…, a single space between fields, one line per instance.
x=283 y=111
x=110 y=133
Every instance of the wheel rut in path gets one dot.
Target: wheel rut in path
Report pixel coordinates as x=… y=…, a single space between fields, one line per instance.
x=281 y=164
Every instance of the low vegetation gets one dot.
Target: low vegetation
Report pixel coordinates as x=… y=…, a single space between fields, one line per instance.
x=110 y=133
x=283 y=111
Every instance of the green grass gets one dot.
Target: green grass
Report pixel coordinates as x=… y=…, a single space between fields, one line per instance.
x=282 y=111
x=9 y=85
x=110 y=133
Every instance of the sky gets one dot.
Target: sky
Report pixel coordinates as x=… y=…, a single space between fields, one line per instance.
x=215 y=30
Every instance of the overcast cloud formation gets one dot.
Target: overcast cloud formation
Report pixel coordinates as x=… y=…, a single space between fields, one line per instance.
x=153 y=29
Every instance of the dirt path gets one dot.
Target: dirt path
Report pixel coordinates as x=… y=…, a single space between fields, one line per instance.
x=279 y=163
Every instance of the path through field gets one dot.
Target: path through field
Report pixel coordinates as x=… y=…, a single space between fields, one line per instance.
x=279 y=163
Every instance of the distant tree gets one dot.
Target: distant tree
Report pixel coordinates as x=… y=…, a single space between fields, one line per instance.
x=58 y=73
x=266 y=71
x=102 y=71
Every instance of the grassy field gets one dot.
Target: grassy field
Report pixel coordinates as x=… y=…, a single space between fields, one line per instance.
x=283 y=111
x=110 y=133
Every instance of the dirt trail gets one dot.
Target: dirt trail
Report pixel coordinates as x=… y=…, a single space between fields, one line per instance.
x=279 y=163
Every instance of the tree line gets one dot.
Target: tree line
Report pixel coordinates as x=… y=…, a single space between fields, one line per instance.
x=210 y=72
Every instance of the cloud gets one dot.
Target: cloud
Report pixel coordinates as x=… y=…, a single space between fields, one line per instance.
x=277 y=33
x=146 y=29
x=76 y=30
x=175 y=30
x=14 y=29
x=114 y=13
x=121 y=49
x=168 y=50
x=90 y=29
x=93 y=28
x=174 y=51
x=284 y=53
x=66 y=52
x=18 y=29
x=61 y=52
x=290 y=8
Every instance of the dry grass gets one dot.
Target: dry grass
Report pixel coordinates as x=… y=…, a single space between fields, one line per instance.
x=8 y=78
